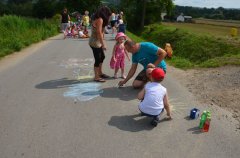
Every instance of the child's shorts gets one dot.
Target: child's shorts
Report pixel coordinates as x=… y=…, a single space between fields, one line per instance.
x=153 y=116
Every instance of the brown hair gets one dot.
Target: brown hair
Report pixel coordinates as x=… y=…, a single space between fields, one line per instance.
x=129 y=43
x=103 y=12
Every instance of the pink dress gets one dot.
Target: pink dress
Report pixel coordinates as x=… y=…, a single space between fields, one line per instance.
x=120 y=57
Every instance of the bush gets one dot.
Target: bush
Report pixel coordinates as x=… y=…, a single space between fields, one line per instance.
x=19 y=32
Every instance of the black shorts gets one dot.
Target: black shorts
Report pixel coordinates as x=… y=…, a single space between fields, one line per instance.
x=113 y=22
x=142 y=76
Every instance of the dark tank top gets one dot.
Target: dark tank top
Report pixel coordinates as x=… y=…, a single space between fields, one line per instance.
x=64 y=18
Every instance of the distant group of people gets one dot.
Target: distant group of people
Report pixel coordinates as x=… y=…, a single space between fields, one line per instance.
x=78 y=29
x=153 y=96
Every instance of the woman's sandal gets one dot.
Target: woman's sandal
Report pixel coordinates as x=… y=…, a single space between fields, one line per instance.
x=99 y=80
x=104 y=76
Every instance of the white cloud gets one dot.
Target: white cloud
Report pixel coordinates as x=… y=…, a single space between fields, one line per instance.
x=209 y=3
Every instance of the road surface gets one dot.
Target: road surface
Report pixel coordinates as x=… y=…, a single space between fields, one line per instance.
x=50 y=108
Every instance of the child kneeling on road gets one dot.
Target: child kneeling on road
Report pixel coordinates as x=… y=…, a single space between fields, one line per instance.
x=154 y=97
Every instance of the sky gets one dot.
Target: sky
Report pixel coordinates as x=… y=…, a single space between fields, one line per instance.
x=209 y=3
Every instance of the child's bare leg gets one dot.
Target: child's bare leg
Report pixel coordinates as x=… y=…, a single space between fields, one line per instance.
x=115 y=72
x=122 y=73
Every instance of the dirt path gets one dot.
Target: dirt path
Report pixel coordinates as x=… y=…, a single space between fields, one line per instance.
x=213 y=86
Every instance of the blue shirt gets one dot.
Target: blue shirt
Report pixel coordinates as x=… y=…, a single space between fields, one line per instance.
x=147 y=54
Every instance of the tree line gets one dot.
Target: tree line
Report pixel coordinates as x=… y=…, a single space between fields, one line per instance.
x=137 y=12
x=45 y=8
x=208 y=13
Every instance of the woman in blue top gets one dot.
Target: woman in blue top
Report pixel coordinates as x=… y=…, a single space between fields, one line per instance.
x=145 y=53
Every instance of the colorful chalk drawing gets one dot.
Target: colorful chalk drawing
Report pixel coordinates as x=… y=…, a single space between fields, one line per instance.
x=85 y=90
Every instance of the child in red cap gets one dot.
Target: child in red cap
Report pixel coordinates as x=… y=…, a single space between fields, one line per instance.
x=118 y=56
x=154 y=97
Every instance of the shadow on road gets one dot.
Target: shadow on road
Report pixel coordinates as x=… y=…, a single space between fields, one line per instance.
x=195 y=130
x=58 y=83
x=126 y=93
x=132 y=123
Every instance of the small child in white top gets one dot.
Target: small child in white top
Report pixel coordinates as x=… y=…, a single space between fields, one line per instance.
x=154 y=97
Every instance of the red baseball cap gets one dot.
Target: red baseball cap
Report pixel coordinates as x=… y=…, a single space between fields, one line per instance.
x=158 y=74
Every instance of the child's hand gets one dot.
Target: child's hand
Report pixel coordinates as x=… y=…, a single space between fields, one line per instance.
x=168 y=117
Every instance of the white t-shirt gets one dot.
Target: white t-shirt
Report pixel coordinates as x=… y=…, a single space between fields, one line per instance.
x=81 y=33
x=153 y=99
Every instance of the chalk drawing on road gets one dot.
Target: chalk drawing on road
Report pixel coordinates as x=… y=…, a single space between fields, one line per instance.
x=84 y=78
x=82 y=68
x=83 y=91
x=178 y=108
x=77 y=63
x=82 y=71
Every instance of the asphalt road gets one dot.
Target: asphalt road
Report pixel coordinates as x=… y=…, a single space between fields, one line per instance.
x=50 y=108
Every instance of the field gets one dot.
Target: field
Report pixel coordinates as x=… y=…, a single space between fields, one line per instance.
x=217 y=28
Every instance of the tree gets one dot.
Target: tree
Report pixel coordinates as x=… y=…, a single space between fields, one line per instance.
x=44 y=8
x=18 y=1
x=137 y=11
x=78 y=5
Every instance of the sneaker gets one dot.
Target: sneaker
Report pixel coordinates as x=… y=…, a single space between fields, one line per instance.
x=115 y=76
x=154 y=122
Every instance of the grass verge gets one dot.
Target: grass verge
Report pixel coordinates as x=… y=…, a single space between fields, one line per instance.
x=192 y=50
x=19 y=32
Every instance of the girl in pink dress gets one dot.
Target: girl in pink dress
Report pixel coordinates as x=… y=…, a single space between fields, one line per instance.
x=118 y=55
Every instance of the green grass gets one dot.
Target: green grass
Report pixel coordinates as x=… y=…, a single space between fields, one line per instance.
x=134 y=37
x=191 y=49
x=19 y=32
x=212 y=30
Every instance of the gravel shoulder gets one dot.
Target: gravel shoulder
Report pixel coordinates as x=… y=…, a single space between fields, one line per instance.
x=213 y=86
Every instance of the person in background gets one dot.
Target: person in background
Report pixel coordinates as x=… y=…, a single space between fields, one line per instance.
x=65 y=18
x=86 y=19
x=113 y=22
x=121 y=26
x=97 y=43
x=74 y=31
x=154 y=98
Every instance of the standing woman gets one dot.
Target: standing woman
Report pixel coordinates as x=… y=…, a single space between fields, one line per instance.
x=65 y=18
x=96 y=42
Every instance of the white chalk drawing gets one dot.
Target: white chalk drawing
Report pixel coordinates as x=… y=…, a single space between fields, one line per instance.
x=84 y=91
x=177 y=107
x=77 y=63
x=82 y=68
